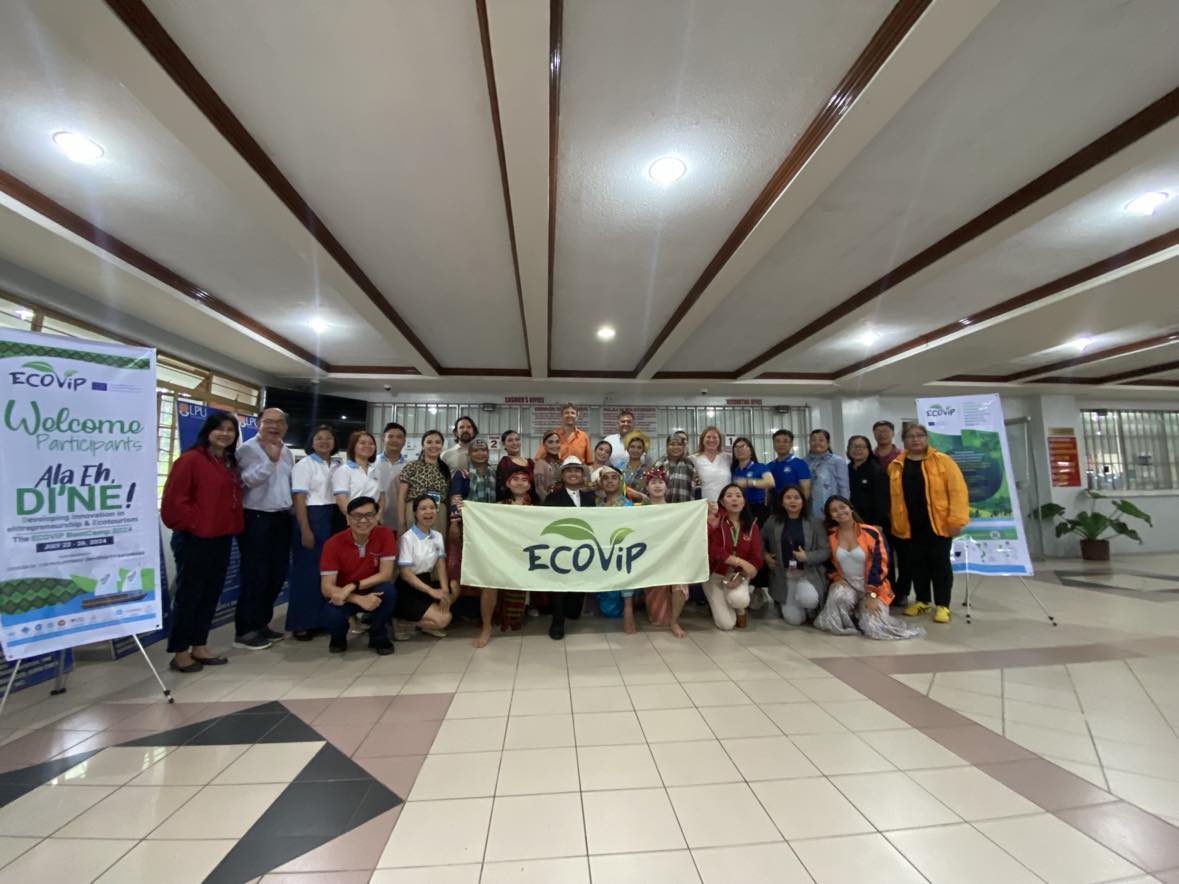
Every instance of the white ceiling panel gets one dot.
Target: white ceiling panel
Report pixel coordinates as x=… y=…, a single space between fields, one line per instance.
x=1091 y=229
x=1131 y=362
x=726 y=87
x=149 y=190
x=377 y=111
x=1037 y=80
x=1093 y=344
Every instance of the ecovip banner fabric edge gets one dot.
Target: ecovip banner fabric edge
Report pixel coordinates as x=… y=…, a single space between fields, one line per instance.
x=970 y=429
x=79 y=536
x=548 y=549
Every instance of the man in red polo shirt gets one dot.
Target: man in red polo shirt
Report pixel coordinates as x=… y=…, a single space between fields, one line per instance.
x=356 y=574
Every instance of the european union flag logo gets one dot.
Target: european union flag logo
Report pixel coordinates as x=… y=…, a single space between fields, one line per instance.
x=97 y=385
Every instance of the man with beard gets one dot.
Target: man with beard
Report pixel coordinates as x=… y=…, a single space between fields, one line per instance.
x=455 y=456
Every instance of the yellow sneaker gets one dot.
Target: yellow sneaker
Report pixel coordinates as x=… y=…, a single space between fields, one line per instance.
x=941 y=614
x=915 y=609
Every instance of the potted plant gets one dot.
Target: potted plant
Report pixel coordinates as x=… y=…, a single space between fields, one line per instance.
x=1092 y=525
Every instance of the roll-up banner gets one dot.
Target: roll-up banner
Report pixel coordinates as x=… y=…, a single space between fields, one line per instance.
x=79 y=530
x=970 y=429
x=573 y=549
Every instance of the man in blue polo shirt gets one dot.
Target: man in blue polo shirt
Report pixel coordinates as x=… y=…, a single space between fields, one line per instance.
x=786 y=468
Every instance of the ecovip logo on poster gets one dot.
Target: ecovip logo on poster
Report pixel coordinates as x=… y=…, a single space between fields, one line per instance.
x=78 y=528
x=970 y=429
x=539 y=548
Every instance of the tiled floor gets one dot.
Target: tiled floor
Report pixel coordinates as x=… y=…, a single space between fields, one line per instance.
x=1001 y=751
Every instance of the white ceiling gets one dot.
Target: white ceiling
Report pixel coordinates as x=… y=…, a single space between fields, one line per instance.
x=378 y=114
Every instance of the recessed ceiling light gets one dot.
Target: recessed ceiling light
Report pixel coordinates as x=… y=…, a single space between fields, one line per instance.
x=77 y=147
x=1147 y=203
x=869 y=337
x=606 y=333
x=343 y=417
x=965 y=321
x=665 y=170
x=318 y=325
x=1081 y=343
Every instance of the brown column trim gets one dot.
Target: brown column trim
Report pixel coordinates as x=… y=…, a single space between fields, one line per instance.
x=556 y=31
x=374 y=369
x=493 y=99
x=1121 y=136
x=160 y=45
x=1039 y=293
x=1161 y=382
x=112 y=245
x=888 y=36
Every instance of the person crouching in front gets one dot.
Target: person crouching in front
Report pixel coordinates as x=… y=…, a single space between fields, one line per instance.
x=356 y=574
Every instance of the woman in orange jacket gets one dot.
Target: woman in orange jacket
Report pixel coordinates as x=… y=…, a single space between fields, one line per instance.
x=929 y=506
x=857 y=602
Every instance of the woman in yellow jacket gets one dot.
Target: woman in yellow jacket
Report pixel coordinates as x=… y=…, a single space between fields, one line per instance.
x=929 y=506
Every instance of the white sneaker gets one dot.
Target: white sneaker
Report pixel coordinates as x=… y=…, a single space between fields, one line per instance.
x=759 y=598
x=402 y=632
x=437 y=633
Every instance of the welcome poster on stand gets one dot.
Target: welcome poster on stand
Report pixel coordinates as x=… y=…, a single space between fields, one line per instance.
x=971 y=430
x=79 y=535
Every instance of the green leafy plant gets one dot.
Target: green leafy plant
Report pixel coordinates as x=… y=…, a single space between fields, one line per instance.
x=1094 y=525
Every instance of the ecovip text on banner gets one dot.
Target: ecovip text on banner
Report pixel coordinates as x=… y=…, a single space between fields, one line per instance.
x=79 y=535
x=970 y=429
x=584 y=550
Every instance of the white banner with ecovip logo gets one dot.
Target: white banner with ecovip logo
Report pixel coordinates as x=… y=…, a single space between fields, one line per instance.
x=79 y=533
x=971 y=430
x=584 y=549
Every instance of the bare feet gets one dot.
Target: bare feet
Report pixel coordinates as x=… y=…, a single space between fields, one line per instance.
x=677 y=630
x=628 y=621
x=484 y=637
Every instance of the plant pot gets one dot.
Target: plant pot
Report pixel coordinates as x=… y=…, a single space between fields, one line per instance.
x=1095 y=550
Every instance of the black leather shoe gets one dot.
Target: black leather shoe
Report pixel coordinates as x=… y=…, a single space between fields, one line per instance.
x=211 y=661
x=194 y=666
x=338 y=645
x=557 y=631
x=384 y=648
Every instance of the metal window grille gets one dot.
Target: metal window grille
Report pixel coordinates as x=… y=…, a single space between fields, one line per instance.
x=756 y=422
x=1131 y=450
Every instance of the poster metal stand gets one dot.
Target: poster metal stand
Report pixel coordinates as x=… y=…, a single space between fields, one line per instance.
x=59 y=686
x=969 y=541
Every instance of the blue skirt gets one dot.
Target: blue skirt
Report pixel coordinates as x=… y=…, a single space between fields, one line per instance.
x=306 y=600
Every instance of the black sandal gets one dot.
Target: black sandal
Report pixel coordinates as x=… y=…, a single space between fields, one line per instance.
x=194 y=666
x=210 y=661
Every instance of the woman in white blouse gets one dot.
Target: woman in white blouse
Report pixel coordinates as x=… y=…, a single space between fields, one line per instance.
x=714 y=467
x=314 y=504
x=359 y=476
x=424 y=593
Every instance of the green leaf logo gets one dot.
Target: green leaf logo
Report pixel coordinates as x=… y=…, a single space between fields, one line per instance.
x=37 y=365
x=70 y=372
x=574 y=529
x=619 y=535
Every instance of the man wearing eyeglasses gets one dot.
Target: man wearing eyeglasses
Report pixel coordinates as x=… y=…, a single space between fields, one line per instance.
x=356 y=574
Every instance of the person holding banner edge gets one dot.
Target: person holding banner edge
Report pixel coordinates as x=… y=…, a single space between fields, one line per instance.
x=202 y=504
x=930 y=506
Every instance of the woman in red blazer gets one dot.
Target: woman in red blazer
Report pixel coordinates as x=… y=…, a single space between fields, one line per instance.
x=203 y=506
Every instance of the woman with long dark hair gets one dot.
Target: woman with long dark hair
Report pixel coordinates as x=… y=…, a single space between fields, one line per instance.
x=513 y=457
x=857 y=602
x=314 y=506
x=428 y=475
x=202 y=504
x=546 y=472
x=869 y=483
x=510 y=602
x=796 y=555
x=734 y=557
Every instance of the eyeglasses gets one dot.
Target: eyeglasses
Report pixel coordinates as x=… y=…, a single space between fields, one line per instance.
x=362 y=517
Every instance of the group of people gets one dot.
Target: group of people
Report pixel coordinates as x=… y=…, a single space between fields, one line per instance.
x=374 y=544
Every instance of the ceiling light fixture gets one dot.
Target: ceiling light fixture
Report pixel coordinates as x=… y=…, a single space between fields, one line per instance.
x=1080 y=344
x=965 y=321
x=77 y=147
x=869 y=337
x=665 y=170
x=1147 y=203
x=318 y=325
x=606 y=333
